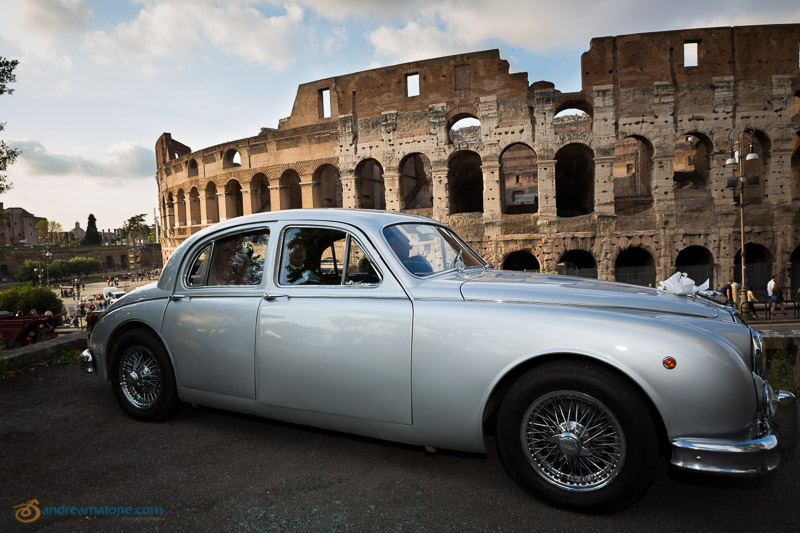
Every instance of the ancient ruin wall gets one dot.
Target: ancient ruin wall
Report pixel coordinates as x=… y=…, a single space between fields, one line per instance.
x=641 y=174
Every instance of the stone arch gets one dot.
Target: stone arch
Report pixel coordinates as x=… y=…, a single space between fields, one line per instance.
x=180 y=200
x=576 y=262
x=574 y=180
x=519 y=181
x=212 y=203
x=521 y=260
x=465 y=182
x=573 y=115
x=259 y=194
x=464 y=127
x=328 y=183
x=416 y=189
x=123 y=261
x=632 y=171
x=758 y=266
x=194 y=207
x=170 y=211
x=636 y=266
x=291 y=193
x=109 y=262
x=691 y=165
x=794 y=271
x=369 y=184
x=192 y=168
x=232 y=158
x=234 y=202
x=698 y=263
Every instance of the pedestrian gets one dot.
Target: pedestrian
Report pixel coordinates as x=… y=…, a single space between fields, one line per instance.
x=751 y=300
x=776 y=298
x=726 y=292
x=735 y=288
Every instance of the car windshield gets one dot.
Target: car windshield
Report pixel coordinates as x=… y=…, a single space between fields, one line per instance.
x=426 y=249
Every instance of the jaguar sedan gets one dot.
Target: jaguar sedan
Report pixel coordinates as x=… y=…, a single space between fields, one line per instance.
x=390 y=326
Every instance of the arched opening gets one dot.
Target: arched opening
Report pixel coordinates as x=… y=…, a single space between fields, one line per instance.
x=465 y=129
x=521 y=260
x=579 y=263
x=574 y=180
x=232 y=158
x=698 y=263
x=234 y=203
x=4 y=272
x=370 y=186
x=170 y=210
x=329 y=185
x=109 y=262
x=192 y=168
x=415 y=182
x=194 y=207
x=632 y=170
x=795 y=167
x=180 y=200
x=123 y=261
x=753 y=193
x=636 y=267
x=259 y=191
x=212 y=203
x=794 y=271
x=758 y=267
x=291 y=193
x=465 y=182
x=571 y=117
x=691 y=164
x=519 y=179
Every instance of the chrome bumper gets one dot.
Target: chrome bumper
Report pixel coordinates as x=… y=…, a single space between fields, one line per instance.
x=746 y=457
x=87 y=361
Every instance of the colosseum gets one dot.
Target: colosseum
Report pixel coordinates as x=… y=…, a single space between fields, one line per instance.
x=630 y=179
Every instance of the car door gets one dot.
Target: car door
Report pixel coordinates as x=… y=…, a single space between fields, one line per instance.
x=210 y=321
x=334 y=333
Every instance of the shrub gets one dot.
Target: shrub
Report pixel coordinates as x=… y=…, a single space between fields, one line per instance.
x=24 y=298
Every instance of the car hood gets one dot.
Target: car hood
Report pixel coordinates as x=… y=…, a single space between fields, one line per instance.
x=563 y=290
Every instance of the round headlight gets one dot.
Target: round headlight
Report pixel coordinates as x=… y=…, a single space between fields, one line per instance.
x=758 y=352
x=771 y=398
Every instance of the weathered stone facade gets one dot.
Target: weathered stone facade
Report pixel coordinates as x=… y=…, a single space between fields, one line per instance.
x=631 y=186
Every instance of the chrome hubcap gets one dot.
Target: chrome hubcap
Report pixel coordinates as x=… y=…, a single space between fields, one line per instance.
x=140 y=378
x=573 y=441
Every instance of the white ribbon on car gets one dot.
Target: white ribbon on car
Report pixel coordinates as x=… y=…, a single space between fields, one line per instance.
x=680 y=283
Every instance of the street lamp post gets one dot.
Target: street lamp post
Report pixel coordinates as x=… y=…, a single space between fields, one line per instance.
x=738 y=182
x=47 y=258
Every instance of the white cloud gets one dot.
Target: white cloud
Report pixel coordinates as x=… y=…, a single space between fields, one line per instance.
x=121 y=161
x=168 y=32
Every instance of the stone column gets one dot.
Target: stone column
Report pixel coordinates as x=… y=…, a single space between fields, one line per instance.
x=309 y=191
x=394 y=196
x=247 y=200
x=604 y=185
x=349 y=188
x=204 y=208
x=547 y=188
x=492 y=200
x=441 y=191
x=222 y=205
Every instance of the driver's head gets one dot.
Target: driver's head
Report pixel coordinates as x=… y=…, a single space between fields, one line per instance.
x=297 y=253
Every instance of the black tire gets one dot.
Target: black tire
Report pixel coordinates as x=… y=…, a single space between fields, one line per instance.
x=551 y=456
x=143 y=378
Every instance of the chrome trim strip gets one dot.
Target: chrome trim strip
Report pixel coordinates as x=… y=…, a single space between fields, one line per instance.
x=726 y=457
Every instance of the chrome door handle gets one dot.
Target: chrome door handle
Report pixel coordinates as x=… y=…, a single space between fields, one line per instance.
x=177 y=297
x=271 y=297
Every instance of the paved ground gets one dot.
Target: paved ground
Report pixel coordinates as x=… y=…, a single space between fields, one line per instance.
x=64 y=441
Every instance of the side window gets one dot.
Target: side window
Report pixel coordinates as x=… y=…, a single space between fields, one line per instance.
x=324 y=256
x=234 y=260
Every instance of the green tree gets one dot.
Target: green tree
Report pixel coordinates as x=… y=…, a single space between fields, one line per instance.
x=7 y=154
x=92 y=237
x=28 y=271
x=41 y=230
x=24 y=298
x=135 y=227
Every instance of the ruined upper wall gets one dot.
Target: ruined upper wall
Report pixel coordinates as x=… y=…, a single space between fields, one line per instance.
x=744 y=52
x=372 y=92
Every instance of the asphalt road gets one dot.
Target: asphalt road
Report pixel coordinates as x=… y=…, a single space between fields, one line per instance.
x=64 y=441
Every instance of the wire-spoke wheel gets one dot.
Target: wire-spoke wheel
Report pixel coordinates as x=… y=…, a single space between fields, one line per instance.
x=577 y=435
x=143 y=380
x=140 y=378
x=573 y=441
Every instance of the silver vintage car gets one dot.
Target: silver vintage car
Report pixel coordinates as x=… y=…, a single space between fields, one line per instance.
x=389 y=325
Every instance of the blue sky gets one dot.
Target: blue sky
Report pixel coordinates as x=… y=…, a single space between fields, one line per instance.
x=99 y=81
